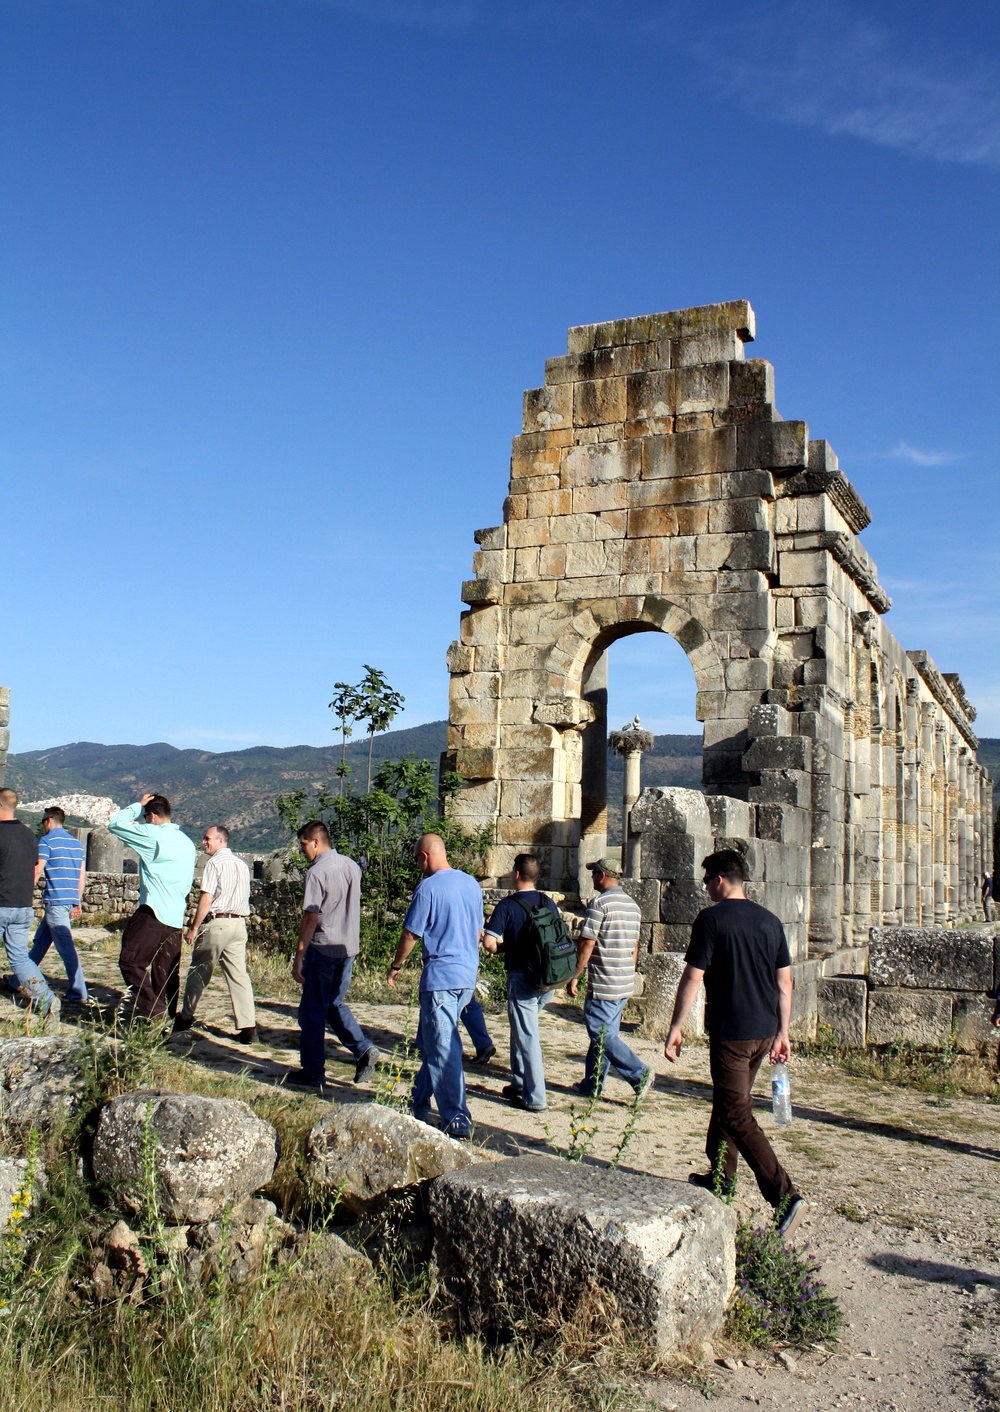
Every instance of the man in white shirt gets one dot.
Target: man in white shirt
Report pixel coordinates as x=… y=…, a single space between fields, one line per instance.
x=219 y=934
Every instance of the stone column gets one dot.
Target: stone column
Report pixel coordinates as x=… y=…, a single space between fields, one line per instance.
x=953 y=904
x=594 y=774
x=926 y=829
x=629 y=743
x=911 y=812
x=963 y=832
x=878 y=840
x=940 y=828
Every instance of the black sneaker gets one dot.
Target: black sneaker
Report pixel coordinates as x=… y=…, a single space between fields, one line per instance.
x=787 y=1219
x=511 y=1091
x=516 y=1100
x=367 y=1065
x=483 y=1056
x=181 y=1024
x=247 y=1036
x=305 y=1082
x=706 y=1180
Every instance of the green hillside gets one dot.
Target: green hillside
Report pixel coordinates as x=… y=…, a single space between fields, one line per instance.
x=238 y=788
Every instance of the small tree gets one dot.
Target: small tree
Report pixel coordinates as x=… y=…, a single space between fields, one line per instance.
x=348 y=706
x=379 y=707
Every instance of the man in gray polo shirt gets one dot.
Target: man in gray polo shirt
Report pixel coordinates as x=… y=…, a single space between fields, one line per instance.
x=329 y=940
x=609 y=946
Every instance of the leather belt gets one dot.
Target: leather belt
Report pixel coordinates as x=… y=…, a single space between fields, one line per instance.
x=212 y=916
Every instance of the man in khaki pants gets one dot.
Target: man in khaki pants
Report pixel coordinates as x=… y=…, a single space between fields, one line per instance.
x=219 y=934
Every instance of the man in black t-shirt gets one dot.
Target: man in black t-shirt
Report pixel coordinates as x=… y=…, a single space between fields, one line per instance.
x=739 y=949
x=524 y=1002
x=18 y=856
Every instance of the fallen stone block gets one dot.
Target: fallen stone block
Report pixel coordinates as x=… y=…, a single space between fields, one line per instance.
x=919 y=1017
x=971 y=1020
x=533 y=1237
x=324 y=1256
x=662 y=973
x=930 y=958
x=15 y=1186
x=205 y=1153
x=369 y=1154
x=43 y=1079
x=842 y=1007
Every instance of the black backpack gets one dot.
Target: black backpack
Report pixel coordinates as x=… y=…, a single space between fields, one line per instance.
x=548 y=949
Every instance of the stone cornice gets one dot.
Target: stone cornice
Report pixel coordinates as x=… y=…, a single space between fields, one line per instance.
x=856 y=568
x=957 y=708
x=840 y=490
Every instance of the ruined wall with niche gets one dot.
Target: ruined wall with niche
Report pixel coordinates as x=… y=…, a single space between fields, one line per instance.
x=655 y=487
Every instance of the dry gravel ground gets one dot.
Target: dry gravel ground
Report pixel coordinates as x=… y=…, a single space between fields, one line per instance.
x=903 y=1192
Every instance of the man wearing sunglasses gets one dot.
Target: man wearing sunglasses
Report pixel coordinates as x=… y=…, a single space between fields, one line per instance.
x=739 y=950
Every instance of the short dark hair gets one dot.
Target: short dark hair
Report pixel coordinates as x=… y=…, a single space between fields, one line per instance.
x=158 y=805
x=315 y=829
x=223 y=833
x=54 y=812
x=727 y=863
x=528 y=866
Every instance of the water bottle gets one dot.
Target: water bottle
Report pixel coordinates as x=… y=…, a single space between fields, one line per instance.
x=781 y=1095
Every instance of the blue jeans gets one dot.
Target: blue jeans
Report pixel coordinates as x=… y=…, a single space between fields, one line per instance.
x=606 y=1015
x=440 y=1075
x=15 y=927
x=55 y=927
x=324 y=985
x=475 y=1022
x=524 y=1005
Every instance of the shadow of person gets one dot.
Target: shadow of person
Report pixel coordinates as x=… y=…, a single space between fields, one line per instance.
x=932 y=1271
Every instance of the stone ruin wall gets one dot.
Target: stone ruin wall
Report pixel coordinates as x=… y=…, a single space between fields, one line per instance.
x=655 y=487
x=4 y=728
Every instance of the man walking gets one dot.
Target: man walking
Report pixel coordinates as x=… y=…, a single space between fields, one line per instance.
x=525 y=1002
x=219 y=935
x=446 y=916
x=608 y=950
x=18 y=856
x=739 y=949
x=329 y=940
x=151 y=942
x=62 y=859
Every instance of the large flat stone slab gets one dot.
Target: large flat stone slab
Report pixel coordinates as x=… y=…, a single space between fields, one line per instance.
x=202 y=1153
x=42 y=1079
x=920 y=1017
x=930 y=958
x=842 y=1006
x=530 y=1237
x=662 y=972
x=369 y=1153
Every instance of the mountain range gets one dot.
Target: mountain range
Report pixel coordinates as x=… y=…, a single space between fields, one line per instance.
x=238 y=787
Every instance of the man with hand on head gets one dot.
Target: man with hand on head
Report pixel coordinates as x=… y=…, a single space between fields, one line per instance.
x=739 y=949
x=151 y=942
x=329 y=940
x=608 y=949
x=18 y=857
x=525 y=1002
x=62 y=859
x=446 y=916
x=219 y=934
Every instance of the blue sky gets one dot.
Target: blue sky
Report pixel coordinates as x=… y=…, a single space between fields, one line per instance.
x=275 y=273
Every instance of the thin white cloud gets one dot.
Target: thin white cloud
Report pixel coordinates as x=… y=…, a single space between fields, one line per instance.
x=905 y=452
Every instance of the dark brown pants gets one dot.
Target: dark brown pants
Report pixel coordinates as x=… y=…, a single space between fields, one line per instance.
x=150 y=962
x=733 y=1127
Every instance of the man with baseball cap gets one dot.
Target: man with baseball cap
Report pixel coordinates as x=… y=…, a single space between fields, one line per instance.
x=608 y=949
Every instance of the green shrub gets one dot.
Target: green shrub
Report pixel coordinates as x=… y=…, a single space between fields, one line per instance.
x=779 y=1297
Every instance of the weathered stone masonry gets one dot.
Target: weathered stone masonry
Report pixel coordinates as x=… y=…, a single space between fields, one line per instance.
x=656 y=488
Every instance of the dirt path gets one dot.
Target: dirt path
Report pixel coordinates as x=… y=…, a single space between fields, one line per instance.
x=903 y=1192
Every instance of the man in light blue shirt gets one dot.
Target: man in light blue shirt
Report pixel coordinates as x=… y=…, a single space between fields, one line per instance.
x=446 y=915
x=151 y=941
x=63 y=860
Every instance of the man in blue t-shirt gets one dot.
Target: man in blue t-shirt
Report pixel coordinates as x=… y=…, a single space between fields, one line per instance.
x=62 y=859
x=446 y=916
x=525 y=1002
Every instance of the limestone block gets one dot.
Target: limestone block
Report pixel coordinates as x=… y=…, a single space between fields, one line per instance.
x=645 y=891
x=972 y=1023
x=733 y=313
x=691 y=453
x=652 y=521
x=600 y=463
x=931 y=958
x=664 y=1250
x=669 y=809
x=711 y=346
x=702 y=388
x=782 y=787
x=662 y=973
x=750 y=674
x=14 y=1182
x=547 y=407
x=919 y=1017
x=768 y=720
x=771 y=446
x=522 y=533
x=369 y=1153
x=650 y=397
x=740 y=613
x=599 y=401
x=592 y=499
x=778 y=753
x=459 y=658
x=843 y=1008
x=481 y=626
x=41 y=1080
x=593 y=560
x=476 y=763
x=713 y=550
x=803 y=568
x=729 y=817
x=751 y=384
x=681 y=897
x=205 y=1153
